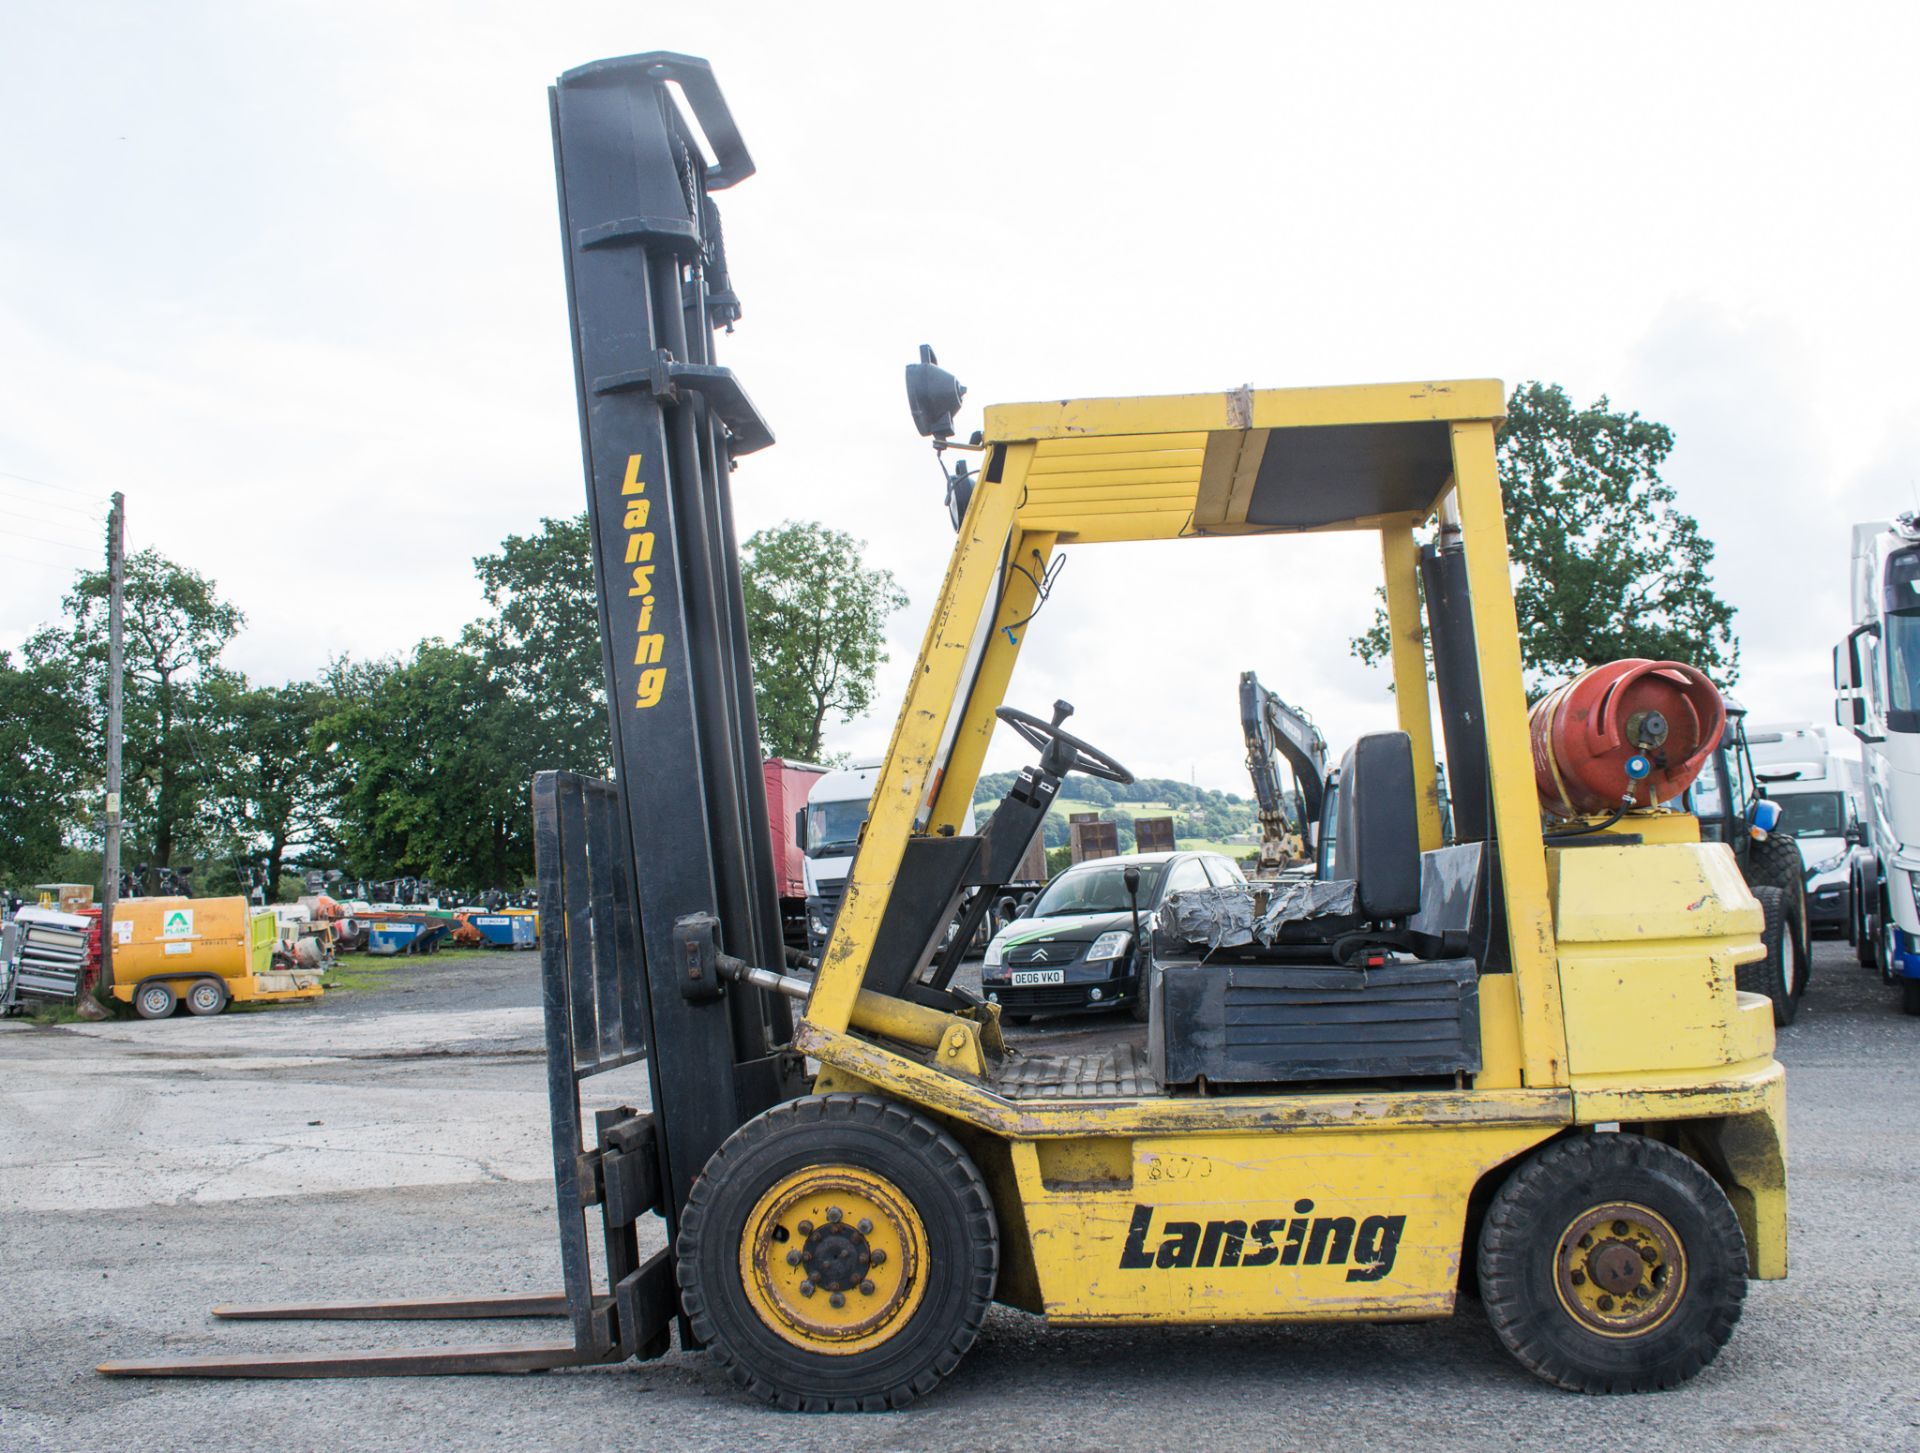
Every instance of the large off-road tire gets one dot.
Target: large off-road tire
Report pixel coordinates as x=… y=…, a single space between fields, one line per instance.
x=1775 y=861
x=1612 y=1263
x=1774 y=974
x=838 y=1254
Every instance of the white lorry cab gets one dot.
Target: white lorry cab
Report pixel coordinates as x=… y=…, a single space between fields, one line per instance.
x=1876 y=672
x=1819 y=805
x=836 y=813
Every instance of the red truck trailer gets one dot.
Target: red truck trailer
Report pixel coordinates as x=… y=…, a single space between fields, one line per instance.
x=788 y=784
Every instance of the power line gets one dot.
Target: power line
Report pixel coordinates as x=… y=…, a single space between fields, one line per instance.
x=42 y=522
x=45 y=484
x=42 y=540
x=54 y=504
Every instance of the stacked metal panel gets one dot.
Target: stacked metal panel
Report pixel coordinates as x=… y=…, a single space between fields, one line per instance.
x=50 y=954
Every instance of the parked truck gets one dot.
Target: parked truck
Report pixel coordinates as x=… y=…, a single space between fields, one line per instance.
x=788 y=783
x=1876 y=676
x=1819 y=807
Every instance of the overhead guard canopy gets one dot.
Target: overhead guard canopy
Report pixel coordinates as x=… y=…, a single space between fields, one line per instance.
x=1247 y=461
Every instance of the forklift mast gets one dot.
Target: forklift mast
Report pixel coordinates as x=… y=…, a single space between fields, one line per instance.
x=661 y=424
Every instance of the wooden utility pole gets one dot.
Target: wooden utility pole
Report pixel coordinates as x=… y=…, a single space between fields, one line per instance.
x=116 y=620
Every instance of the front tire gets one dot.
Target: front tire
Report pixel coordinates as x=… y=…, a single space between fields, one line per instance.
x=838 y=1254
x=154 y=1001
x=1611 y=1264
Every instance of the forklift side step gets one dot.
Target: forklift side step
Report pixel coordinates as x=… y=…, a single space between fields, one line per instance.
x=394 y=1362
x=406 y=1309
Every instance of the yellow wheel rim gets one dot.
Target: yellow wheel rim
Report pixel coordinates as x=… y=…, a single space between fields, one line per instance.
x=833 y=1259
x=1620 y=1269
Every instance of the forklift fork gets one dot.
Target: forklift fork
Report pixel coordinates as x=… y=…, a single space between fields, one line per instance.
x=594 y=998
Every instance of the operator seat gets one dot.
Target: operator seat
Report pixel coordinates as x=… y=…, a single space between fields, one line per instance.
x=1376 y=841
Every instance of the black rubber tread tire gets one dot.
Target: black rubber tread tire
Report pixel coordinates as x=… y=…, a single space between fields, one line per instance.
x=1517 y=1254
x=1882 y=960
x=1762 y=976
x=1858 y=927
x=947 y=1192
x=1776 y=860
x=1910 y=996
x=187 y=998
x=173 y=1001
x=1140 y=1007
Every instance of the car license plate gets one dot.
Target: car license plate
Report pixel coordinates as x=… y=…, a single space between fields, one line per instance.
x=1023 y=978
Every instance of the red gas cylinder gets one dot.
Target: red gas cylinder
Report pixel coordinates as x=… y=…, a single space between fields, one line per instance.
x=1630 y=732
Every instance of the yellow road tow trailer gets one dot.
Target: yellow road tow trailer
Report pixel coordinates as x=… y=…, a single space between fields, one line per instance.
x=1509 y=1060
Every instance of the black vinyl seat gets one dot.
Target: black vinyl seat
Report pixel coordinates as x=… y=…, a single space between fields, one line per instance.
x=1377 y=830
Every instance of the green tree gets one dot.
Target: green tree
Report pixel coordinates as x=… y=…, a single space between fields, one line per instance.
x=45 y=746
x=543 y=640
x=816 y=623
x=1607 y=565
x=273 y=786
x=176 y=628
x=434 y=760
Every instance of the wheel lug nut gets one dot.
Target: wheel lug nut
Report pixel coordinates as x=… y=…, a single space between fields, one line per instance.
x=1649 y=1255
x=1585 y=1241
x=866 y=1226
x=837 y=1300
x=833 y=1213
x=1619 y=1228
x=1578 y=1279
x=806 y=1288
x=793 y=1258
x=806 y=1228
x=1605 y=1304
x=866 y=1288
x=879 y=1257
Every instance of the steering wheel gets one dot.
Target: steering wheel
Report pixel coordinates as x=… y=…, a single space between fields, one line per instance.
x=1062 y=752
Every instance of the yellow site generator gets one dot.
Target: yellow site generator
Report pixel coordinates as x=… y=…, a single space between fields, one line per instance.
x=203 y=953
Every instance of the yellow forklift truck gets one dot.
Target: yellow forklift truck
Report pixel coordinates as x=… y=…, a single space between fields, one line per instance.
x=1507 y=1062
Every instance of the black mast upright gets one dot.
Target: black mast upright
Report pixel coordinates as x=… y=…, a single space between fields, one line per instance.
x=660 y=425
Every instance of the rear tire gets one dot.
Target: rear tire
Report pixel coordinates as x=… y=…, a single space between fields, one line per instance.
x=838 y=1254
x=154 y=1001
x=1910 y=996
x=1611 y=1264
x=206 y=996
x=1773 y=973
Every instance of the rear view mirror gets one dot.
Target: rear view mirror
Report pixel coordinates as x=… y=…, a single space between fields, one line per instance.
x=1855 y=835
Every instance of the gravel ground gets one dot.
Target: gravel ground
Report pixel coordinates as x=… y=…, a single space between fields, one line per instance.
x=148 y=1171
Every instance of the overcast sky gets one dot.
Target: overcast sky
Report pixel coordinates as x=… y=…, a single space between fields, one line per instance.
x=289 y=276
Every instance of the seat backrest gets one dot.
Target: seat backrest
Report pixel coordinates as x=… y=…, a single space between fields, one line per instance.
x=1377 y=839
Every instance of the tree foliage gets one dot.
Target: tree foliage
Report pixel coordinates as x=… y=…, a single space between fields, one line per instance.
x=542 y=641
x=176 y=627
x=1607 y=565
x=816 y=620
x=44 y=746
x=433 y=764
x=273 y=788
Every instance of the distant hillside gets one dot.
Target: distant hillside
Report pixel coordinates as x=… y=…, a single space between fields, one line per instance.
x=1201 y=814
